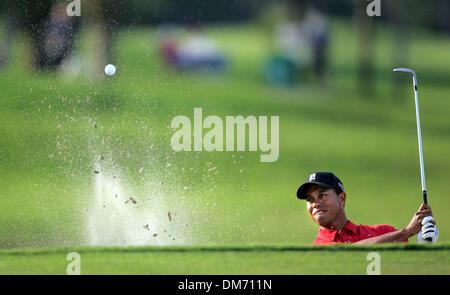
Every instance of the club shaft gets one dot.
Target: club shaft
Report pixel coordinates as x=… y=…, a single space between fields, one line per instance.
x=419 y=139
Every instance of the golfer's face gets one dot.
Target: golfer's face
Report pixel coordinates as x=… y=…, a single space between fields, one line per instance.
x=323 y=204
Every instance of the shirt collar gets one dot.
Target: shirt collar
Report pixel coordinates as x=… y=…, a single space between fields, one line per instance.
x=350 y=226
x=329 y=234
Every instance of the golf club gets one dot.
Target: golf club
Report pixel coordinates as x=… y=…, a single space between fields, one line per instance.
x=429 y=231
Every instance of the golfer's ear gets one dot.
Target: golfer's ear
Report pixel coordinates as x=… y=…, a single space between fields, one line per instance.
x=342 y=198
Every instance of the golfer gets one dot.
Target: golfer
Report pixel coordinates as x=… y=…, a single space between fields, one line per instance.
x=325 y=201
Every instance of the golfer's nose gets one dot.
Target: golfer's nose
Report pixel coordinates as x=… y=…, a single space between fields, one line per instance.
x=316 y=203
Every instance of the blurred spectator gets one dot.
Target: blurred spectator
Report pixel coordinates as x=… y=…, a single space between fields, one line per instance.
x=52 y=32
x=291 y=52
x=27 y=15
x=316 y=27
x=301 y=41
x=59 y=34
x=167 y=38
x=192 y=51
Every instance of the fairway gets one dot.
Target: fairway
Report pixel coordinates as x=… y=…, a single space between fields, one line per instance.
x=237 y=260
x=86 y=165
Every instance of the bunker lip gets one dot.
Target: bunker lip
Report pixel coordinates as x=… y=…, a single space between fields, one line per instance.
x=227 y=248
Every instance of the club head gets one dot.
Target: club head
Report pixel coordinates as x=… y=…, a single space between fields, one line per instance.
x=405 y=70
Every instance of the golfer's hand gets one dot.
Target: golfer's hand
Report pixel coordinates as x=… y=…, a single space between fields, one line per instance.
x=415 y=224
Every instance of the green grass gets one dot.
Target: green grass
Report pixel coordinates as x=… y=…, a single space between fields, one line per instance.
x=369 y=142
x=244 y=260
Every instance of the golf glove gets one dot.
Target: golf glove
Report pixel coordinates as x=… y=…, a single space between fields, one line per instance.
x=429 y=231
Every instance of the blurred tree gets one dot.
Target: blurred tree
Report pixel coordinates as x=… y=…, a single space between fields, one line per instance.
x=102 y=18
x=443 y=15
x=31 y=16
x=8 y=28
x=366 y=49
x=51 y=31
x=193 y=11
x=397 y=14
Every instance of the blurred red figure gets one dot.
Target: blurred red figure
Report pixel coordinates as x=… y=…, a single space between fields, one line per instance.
x=192 y=50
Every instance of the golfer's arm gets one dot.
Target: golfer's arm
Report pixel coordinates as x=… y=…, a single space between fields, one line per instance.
x=392 y=237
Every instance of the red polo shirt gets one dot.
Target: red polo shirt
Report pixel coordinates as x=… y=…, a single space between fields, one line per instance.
x=352 y=233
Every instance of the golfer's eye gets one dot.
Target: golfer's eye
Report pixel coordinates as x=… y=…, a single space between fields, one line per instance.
x=322 y=195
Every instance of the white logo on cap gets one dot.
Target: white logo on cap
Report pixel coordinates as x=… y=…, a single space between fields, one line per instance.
x=312 y=177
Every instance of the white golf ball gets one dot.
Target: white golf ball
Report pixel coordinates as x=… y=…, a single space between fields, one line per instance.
x=110 y=70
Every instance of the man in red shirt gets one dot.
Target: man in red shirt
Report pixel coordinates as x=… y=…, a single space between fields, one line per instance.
x=325 y=198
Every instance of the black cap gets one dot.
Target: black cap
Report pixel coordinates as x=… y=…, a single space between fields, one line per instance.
x=323 y=179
